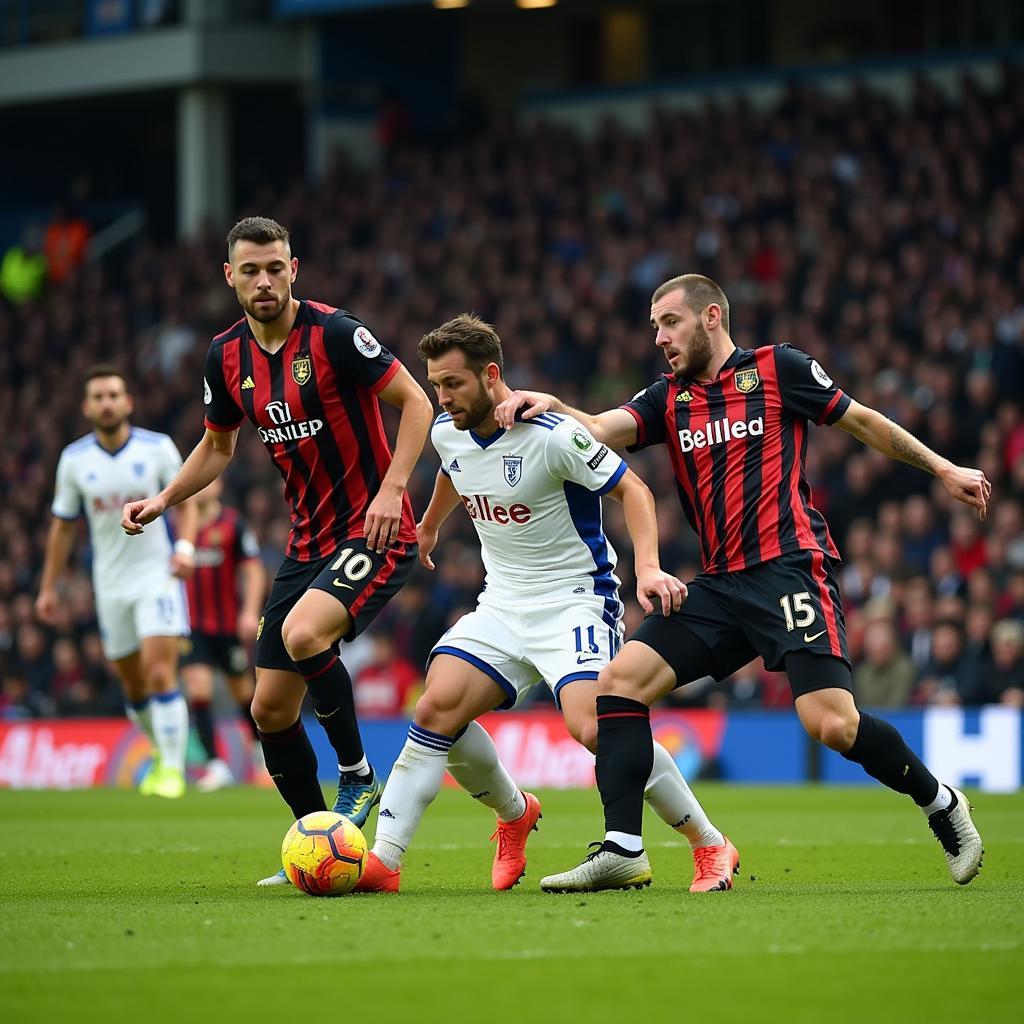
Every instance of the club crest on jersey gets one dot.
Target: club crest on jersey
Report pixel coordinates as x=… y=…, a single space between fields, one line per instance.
x=746 y=381
x=513 y=468
x=301 y=370
x=684 y=396
x=582 y=442
x=139 y=468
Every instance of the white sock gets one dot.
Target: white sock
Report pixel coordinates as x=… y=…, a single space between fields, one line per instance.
x=361 y=767
x=411 y=786
x=170 y=728
x=673 y=801
x=474 y=764
x=629 y=842
x=140 y=714
x=942 y=800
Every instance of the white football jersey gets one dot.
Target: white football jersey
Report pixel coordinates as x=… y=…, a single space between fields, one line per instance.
x=534 y=495
x=99 y=483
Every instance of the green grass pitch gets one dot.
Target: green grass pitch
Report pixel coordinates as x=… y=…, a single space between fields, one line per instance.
x=114 y=907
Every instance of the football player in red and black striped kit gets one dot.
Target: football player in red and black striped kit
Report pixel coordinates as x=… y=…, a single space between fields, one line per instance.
x=309 y=377
x=735 y=425
x=225 y=619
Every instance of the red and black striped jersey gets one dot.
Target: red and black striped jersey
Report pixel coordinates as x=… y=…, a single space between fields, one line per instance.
x=738 y=445
x=222 y=545
x=314 y=403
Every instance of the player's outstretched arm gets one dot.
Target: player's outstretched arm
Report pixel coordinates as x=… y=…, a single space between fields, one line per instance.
x=385 y=512
x=615 y=428
x=872 y=428
x=442 y=502
x=207 y=461
x=59 y=542
x=655 y=589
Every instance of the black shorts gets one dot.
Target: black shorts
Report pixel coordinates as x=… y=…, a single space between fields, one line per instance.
x=362 y=580
x=786 y=605
x=218 y=650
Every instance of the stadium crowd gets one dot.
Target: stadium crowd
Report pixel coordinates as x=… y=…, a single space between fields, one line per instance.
x=888 y=242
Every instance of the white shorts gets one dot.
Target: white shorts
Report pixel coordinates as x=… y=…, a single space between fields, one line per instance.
x=160 y=610
x=520 y=647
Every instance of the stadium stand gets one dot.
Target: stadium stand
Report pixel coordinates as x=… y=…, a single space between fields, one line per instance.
x=888 y=243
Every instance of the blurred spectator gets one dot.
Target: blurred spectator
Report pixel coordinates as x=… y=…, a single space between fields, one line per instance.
x=947 y=679
x=23 y=269
x=64 y=243
x=387 y=685
x=886 y=677
x=1007 y=682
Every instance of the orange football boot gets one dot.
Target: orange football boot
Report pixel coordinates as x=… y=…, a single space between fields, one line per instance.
x=510 y=858
x=377 y=877
x=714 y=866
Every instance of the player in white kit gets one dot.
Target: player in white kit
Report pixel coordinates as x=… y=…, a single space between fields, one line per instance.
x=549 y=610
x=140 y=597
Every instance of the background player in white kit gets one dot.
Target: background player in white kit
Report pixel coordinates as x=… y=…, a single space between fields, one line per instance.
x=549 y=611
x=140 y=599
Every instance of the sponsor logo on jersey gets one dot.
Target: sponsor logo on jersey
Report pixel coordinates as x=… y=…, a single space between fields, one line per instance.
x=209 y=558
x=820 y=375
x=598 y=457
x=582 y=442
x=454 y=467
x=366 y=344
x=719 y=431
x=479 y=506
x=512 y=466
x=288 y=429
x=684 y=396
x=248 y=384
x=746 y=381
x=301 y=369
x=114 y=502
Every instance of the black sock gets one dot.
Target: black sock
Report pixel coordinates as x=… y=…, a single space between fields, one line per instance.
x=202 y=716
x=883 y=753
x=245 y=713
x=330 y=689
x=625 y=757
x=292 y=765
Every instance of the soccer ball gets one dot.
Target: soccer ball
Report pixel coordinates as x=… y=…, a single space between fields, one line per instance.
x=324 y=854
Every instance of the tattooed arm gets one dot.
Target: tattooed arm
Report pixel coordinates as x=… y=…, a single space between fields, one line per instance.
x=872 y=428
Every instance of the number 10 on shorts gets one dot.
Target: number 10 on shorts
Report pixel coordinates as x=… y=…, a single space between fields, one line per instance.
x=798 y=610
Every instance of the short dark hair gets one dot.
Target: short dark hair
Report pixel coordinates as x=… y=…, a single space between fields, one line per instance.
x=260 y=230
x=477 y=340
x=700 y=292
x=102 y=370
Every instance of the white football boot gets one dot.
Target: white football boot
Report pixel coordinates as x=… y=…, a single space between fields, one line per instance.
x=217 y=776
x=603 y=869
x=960 y=840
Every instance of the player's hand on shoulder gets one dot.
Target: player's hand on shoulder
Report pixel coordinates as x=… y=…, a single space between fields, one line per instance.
x=659 y=591
x=136 y=514
x=46 y=607
x=427 y=541
x=970 y=486
x=533 y=403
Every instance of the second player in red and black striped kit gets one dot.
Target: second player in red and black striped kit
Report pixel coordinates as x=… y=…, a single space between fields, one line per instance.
x=224 y=618
x=309 y=377
x=735 y=423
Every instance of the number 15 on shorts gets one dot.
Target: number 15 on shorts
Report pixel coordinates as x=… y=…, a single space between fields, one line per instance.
x=798 y=610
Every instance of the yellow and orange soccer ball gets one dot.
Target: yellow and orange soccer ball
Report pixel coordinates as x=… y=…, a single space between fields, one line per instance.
x=324 y=854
